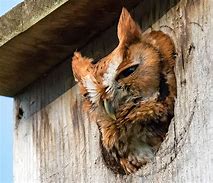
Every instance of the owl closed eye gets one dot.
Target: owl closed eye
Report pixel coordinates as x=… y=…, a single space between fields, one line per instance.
x=131 y=92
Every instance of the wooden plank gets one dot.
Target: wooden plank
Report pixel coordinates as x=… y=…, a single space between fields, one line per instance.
x=54 y=141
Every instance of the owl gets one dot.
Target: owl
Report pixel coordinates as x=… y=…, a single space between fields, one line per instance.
x=131 y=92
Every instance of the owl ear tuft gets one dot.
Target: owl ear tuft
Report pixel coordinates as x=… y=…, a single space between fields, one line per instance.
x=81 y=66
x=128 y=29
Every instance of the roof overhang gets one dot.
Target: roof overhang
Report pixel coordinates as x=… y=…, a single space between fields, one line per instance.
x=37 y=35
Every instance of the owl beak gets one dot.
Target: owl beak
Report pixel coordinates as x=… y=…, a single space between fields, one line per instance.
x=109 y=109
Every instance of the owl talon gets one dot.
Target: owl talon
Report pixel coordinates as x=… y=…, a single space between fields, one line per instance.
x=128 y=167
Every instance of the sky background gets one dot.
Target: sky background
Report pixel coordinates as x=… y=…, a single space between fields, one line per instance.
x=6 y=129
x=6 y=5
x=6 y=119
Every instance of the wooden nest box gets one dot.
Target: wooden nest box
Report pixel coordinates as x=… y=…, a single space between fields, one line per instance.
x=54 y=141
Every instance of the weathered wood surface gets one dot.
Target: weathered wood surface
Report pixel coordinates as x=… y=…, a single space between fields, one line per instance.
x=54 y=140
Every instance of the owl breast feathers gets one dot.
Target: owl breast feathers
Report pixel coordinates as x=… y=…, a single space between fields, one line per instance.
x=131 y=92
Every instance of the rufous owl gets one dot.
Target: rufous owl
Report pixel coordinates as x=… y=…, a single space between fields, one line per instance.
x=131 y=92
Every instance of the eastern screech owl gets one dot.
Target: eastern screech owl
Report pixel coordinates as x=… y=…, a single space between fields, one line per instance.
x=131 y=91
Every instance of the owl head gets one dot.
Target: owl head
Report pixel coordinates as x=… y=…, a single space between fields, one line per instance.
x=138 y=69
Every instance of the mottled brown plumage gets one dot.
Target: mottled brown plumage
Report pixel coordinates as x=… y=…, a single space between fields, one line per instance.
x=131 y=92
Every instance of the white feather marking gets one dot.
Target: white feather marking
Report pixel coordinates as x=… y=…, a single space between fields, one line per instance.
x=89 y=84
x=109 y=76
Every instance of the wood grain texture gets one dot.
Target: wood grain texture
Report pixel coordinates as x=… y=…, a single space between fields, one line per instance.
x=54 y=141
